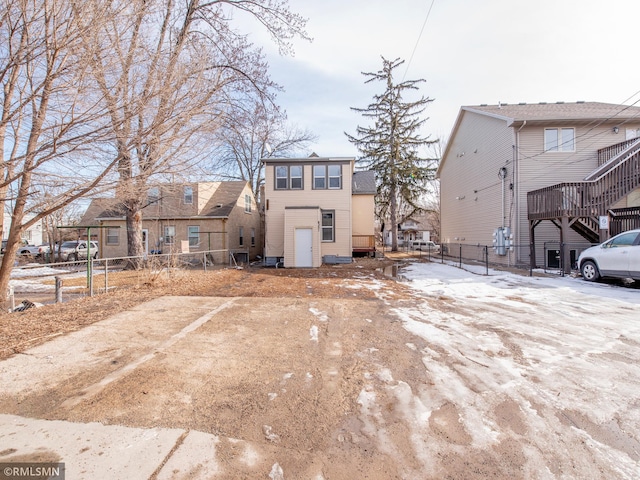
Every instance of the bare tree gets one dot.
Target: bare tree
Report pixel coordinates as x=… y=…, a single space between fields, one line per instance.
x=50 y=128
x=251 y=135
x=169 y=72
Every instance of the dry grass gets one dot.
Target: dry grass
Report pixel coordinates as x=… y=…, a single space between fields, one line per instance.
x=20 y=331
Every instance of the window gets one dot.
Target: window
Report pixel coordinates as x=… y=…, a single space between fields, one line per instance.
x=253 y=237
x=241 y=236
x=289 y=177
x=188 y=195
x=335 y=176
x=559 y=140
x=282 y=178
x=169 y=234
x=113 y=236
x=153 y=195
x=247 y=203
x=624 y=240
x=328 y=226
x=193 y=233
x=319 y=176
x=295 y=173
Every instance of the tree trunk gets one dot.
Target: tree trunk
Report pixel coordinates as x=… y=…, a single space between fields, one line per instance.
x=393 y=214
x=134 y=233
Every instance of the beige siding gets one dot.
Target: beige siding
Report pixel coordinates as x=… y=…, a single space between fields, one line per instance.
x=338 y=200
x=248 y=220
x=538 y=169
x=363 y=208
x=301 y=218
x=470 y=192
x=215 y=233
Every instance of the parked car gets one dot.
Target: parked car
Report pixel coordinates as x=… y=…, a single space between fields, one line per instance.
x=76 y=250
x=425 y=246
x=618 y=257
x=23 y=243
x=30 y=250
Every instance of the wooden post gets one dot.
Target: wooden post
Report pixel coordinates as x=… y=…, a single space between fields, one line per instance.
x=564 y=237
x=58 y=290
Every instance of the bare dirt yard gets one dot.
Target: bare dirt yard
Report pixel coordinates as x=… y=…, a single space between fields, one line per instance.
x=310 y=374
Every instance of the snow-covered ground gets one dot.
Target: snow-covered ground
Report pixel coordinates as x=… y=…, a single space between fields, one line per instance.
x=551 y=364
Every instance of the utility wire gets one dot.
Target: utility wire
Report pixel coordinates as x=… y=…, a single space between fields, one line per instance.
x=418 y=40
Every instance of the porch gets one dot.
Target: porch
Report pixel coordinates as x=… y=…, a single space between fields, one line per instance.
x=579 y=205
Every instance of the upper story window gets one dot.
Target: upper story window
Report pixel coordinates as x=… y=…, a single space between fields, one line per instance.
x=153 y=195
x=327 y=176
x=247 y=203
x=288 y=177
x=188 y=195
x=559 y=140
x=319 y=176
x=335 y=176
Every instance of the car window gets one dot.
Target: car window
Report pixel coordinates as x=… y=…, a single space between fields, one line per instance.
x=624 y=240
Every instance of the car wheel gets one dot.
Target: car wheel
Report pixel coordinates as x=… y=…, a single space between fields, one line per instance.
x=590 y=271
x=72 y=257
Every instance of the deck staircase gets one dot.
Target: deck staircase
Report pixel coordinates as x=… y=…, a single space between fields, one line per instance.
x=617 y=175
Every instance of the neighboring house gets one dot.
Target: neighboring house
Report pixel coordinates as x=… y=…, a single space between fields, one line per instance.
x=415 y=228
x=197 y=217
x=317 y=211
x=32 y=235
x=539 y=173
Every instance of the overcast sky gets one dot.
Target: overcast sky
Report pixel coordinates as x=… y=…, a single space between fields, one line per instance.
x=470 y=52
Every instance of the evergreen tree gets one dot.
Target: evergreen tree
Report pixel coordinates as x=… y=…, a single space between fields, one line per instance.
x=391 y=148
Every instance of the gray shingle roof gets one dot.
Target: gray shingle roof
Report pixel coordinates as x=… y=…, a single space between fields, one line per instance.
x=559 y=111
x=364 y=183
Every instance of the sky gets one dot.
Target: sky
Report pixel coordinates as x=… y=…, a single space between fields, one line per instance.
x=470 y=52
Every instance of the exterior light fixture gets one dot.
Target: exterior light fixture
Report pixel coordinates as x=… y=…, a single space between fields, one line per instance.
x=616 y=129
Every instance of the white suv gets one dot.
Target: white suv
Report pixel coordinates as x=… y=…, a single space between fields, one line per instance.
x=618 y=257
x=77 y=250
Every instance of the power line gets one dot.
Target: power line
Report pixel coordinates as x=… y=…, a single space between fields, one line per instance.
x=418 y=40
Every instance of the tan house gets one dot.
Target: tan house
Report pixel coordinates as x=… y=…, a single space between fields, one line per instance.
x=317 y=210
x=193 y=217
x=538 y=175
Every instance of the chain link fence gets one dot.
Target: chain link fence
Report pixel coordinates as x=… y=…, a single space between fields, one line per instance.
x=41 y=282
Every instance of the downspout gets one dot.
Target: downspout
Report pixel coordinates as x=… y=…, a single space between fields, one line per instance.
x=516 y=176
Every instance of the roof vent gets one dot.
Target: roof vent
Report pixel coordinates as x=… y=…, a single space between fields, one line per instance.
x=559 y=103
x=542 y=103
x=219 y=205
x=580 y=101
x=522 y=103
x=483 y=104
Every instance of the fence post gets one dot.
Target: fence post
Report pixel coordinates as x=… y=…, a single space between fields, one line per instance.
x=58 y=290
x=562 y=259
x=486 y=258
x=204 y=260
x=460 y=255
x=90 y=260
x=106 y=275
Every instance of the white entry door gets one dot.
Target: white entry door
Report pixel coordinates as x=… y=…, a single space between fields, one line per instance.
x=304 y=247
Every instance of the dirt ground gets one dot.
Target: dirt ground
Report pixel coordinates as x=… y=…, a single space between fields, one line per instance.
x=284 y=364
x=306 y=374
